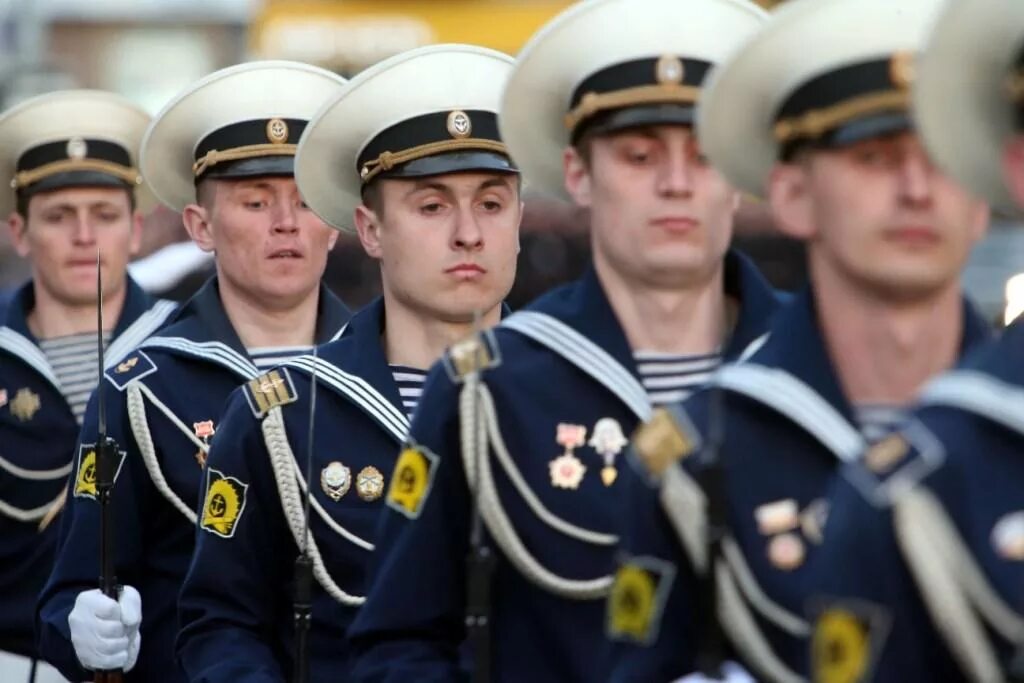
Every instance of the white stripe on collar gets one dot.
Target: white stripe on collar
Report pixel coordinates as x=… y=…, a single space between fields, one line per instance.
x=143 y=326
x=358 y=391
x=979 y=393
x=212 y=351
x=21 y=346
x=784 y=393
x=584 y=354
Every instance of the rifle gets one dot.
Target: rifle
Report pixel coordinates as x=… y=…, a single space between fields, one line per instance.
x=302 y=605
x=106 y=459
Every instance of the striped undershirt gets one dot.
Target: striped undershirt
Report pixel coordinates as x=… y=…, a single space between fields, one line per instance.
x=410 y=386
x=74 y=360
x=877 y=421
x=670 y=378
x=269 y=357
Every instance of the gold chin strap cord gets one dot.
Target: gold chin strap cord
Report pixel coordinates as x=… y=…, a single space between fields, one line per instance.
x=126 y=173
x=388 y=160
x=815 y=123
x=215 y=156
x=665 y=93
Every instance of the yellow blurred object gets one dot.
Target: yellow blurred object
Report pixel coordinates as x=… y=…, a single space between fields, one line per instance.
x=352 y=34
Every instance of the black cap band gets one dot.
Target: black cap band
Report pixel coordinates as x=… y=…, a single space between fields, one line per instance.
x=233 y=151
x=461 y=140
x=848 y=104
x=74 y=161
x=667 y=87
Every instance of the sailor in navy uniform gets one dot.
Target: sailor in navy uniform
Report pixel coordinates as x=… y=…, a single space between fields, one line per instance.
x=531 y=419
x=227 y=164
x=434 y=110
x=822 y=113
x=70 y=158
x=938 y=508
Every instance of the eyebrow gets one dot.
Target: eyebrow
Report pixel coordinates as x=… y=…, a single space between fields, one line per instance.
x=446 y=189
x=63 y=206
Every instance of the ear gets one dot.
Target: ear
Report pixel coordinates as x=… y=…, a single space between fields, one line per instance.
x=197 y=224
x=136 y=238
x=577 y=177
x=1013 y=168
x=368 y=228
x=790 y=200
x=17 y=225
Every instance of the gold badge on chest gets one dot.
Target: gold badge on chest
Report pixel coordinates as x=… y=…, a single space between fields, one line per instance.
x=203 y=431
x=608 y=441
x=335 y=479
x=369 y=484
x=25 y=404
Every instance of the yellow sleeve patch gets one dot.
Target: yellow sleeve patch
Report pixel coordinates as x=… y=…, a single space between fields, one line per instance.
x=840 y=648
x=637 y=599
x=412 y=480
x=270 y=391
x=223 y=504
x=85 y=476
x=664 y=440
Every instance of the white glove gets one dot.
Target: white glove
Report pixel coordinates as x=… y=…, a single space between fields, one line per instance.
x=731 y=673
x=104 y=632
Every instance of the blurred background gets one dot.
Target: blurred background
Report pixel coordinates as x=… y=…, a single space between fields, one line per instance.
x=149 y=50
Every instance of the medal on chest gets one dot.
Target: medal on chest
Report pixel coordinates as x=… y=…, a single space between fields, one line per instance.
x=566 y=470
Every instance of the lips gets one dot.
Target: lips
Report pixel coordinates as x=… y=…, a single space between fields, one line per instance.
x=466 y=269
x=675 y=223
x=285 y=254
x=913 y=235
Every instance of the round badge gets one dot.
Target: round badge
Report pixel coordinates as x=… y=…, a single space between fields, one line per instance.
x=669 y=70
x=335 y=479
x=77 y=148
x=459 y=125
x=901 y=69
x=369 y=484
x=277 y=131
x=786 y=552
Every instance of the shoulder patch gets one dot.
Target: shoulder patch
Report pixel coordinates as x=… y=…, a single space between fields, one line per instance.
x=135 y=366
x=223 y=503
x=896 y=464
x=476 y=353
x=847 y=640
x=271 y=390
x=412 y=480
x=85 y=473
x=637 y=599
x=668 y=437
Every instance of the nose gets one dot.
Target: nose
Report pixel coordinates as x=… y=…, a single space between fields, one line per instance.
x=467 y=235
x=915 y=177
x=676 y=174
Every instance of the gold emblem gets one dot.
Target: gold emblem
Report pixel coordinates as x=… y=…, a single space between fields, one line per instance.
x=411 y=481
x=335 y=480
x=25 y=404
x=786 y=552
x=369 y=484
x=669 y=70
x=631 y=605
x=839 y=648
x=459 y=125
x=608 y=441
x=127 y=365
x=223 y=504
x=660 y=442
x=469 y=356
x=902 y=70
x=77 y=149
x=270 y=391
x=277 y=131
x=884 y=455
x=85 y=482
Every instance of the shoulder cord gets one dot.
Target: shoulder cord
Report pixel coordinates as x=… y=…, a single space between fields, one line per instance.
x=479 y=430
x=282 y=461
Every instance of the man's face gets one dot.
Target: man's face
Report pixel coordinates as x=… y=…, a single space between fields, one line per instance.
x=62 y=233
x=447 y=244
x=880 y=215
x=660 y=215
x=269 y=246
